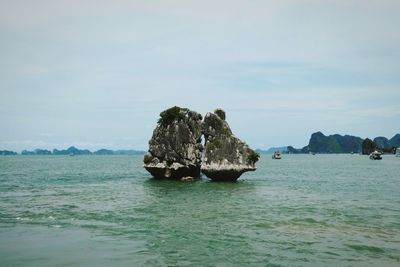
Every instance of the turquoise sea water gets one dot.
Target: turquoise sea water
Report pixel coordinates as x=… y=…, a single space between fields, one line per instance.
x=303 y=210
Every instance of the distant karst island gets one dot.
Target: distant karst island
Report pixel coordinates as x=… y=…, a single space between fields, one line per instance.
x=318 y=143
x=73 y=151
x=334 y=144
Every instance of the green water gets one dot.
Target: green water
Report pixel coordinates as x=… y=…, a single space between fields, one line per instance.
x=303 y=210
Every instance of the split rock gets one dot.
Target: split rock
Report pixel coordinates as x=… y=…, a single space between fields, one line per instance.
x=175 y=147
x=226 y=157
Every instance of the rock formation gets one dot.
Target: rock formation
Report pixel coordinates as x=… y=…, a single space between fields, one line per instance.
x=368 y=146
x=226 y=157
x=395 y=140
x=175 y=147
x=320 y=143
x=382 y=142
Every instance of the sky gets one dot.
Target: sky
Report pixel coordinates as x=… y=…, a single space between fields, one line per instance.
x=96 y=74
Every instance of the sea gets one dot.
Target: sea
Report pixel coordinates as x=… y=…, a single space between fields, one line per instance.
x=302 y=210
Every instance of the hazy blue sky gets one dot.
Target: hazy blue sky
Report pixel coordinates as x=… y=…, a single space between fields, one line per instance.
x=97 y=73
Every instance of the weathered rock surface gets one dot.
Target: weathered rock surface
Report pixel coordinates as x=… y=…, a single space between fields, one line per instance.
x=175 y=147
x=226 y=157
x=368 y=146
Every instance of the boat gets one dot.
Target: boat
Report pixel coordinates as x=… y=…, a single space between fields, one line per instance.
x=376 y=155
x=276 y=155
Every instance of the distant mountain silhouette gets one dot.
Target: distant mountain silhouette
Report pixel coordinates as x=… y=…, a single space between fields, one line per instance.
x=382 y=142
x=7 y=153
x=72 y=151
x=395 y=140
x=36 y=152
x=118 y=152
x=320 y=143
x=336 y=143
x=271 y=150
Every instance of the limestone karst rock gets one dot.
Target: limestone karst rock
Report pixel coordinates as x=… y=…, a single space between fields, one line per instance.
x=175 y=147
x=226 y=157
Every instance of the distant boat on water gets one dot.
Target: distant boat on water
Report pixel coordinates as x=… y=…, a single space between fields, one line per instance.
x=276 y=155
x=71 y=154
x=376 y=155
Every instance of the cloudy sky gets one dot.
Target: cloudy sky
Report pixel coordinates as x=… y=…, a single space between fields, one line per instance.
x=97 y=73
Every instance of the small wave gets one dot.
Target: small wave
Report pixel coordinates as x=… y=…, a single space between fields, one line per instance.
x=264 y=225
x=331 y=253
x=306 y=220
x=23 y=219
x=366 y=248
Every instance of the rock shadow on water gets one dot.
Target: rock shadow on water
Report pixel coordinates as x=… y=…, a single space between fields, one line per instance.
x=201 y=187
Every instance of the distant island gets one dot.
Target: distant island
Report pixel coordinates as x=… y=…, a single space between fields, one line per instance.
x=72 y=151
x=281 y=149
x=319 y=143
x=333 y=144
x=7 y=153
x=336 y=143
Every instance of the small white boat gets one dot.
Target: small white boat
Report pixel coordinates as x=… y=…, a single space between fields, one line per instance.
x=276 y=155
x=376 y=155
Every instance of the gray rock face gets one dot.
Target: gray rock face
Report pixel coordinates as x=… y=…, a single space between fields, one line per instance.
x=226 y=157
x=175 y=147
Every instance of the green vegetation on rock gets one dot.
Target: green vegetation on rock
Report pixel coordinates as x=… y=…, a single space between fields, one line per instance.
x=225 y=132
x=171 y=114
x=254 y=156
x=216 y=143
